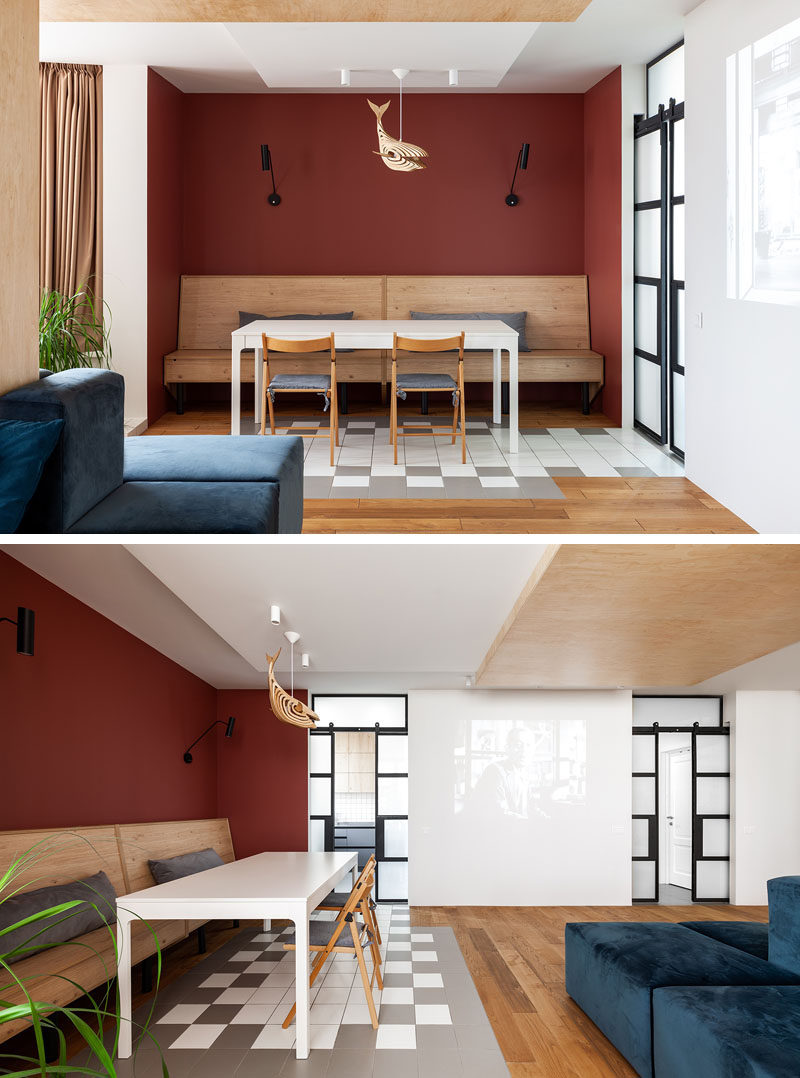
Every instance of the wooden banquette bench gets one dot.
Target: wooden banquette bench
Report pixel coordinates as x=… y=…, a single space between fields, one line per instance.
x=557 y=324
x=122 y=852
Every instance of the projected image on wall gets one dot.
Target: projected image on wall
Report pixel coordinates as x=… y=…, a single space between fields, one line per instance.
x=523 y=769
x=763 y=93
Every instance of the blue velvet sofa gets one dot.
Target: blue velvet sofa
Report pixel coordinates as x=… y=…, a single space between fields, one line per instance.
x=717 y=999
x=99 y=481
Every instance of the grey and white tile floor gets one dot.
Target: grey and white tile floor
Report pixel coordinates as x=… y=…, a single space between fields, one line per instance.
x=431 y=467
x=224 y=1018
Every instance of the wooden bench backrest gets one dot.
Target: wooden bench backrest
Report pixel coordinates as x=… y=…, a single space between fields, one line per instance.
x=141 y=842
x=209 y=310
x=64 y=855
x=557 y=307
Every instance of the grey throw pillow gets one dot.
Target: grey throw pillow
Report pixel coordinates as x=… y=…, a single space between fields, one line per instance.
x=185 y=864
x=92 y=891
x=514 y=319
x=245 y=318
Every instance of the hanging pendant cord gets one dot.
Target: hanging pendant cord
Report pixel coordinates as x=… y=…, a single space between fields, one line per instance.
x=401 y=110
x=292 y=667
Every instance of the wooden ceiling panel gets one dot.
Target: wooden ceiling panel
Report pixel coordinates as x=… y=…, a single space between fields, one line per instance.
x=635 y=616
x=310 y=11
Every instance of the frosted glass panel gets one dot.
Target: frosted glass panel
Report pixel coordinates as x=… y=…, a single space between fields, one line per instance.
x=644 y=753
x=316 y=835
x=393 y=754
x=647 y=396
x=713 y=879
x=395 y=838
x=644 y=879
x=644 y=797
x=392 y=797
x=641 y=838
x=713 y=797
x=319 y=753
x=319 y=797
x=342 y=711
x=675 y=710
x=648 y=167
x=716 y=838
x=679 y=411
x=679 y=242
x=665 y=80
x=647 y=318
x=648 y=243
x=393 y=880
x=679 y=158
x=713 y=753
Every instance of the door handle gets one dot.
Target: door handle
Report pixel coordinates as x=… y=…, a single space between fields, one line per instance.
x=670 y=817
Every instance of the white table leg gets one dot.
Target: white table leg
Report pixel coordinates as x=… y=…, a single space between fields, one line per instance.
x=513 y=393
x=497 y=382
x=258 y=386
x=354 y=873
x=301 y=975
x=236 y=388
x=125 y=1047
x=267 y=924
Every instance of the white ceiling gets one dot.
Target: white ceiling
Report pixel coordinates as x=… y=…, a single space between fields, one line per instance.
x=296 y=57
x=372 y=616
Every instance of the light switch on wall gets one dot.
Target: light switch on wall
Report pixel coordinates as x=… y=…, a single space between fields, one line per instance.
x=698 y=320
x=617 y=829
x=749 y=829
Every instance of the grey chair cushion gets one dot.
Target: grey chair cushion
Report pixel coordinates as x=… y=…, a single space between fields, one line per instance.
x=425 y=382
x=185 y=864
x=302 y=381
x=514 y=319
x=92 y=891
x=335 y=898
x=320 y=932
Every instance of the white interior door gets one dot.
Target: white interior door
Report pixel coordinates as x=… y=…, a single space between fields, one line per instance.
x=679 y=817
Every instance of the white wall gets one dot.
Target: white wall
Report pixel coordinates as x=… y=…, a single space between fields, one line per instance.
x=125 y=228
x=742 y=370
x=765 y=824
x=574 y=851
x=634 y=101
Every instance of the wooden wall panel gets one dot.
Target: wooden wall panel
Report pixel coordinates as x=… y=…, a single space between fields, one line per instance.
x=19 y=193
x=141 y=842
x=63 y=855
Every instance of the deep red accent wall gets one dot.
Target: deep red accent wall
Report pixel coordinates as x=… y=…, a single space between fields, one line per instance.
x=95 y=724
x=343 y=211
x=262 y=775
x=603 y=230
x=164 y=232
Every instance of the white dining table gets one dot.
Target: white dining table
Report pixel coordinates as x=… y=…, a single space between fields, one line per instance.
x=482 y=336
x=261 y=887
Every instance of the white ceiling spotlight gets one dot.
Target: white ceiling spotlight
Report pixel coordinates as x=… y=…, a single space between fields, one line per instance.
x=453 y=76
x=467 y=682
x=305 y=662
x=275 y=615
x=345 y=76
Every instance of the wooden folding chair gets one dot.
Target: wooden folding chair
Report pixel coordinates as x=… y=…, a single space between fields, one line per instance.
x=336 y=900
x=301 y=383
x=404 y=383
x=346 y=936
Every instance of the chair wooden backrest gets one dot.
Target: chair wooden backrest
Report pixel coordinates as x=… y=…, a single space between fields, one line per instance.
x=445 y=344
x=319 y=344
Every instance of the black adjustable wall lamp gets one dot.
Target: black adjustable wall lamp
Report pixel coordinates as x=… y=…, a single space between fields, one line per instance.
x=512 y=199
x=25 y=623
x=187 y=756
x=266 y=166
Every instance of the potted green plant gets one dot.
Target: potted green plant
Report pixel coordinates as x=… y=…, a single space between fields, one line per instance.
x=90 y=1019
x=73 y=331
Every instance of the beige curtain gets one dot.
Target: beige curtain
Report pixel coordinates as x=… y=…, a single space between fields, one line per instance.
x=70 y=235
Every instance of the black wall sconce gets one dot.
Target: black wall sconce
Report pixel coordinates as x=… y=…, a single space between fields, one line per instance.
x=266 y=166
x=522 y=164
x=26 y=624
x=187 y=756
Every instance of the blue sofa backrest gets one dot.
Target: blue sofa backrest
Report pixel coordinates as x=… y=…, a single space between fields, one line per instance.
x=87 y=463
x=783 y=894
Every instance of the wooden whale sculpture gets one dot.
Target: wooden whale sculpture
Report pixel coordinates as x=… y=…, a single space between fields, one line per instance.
x=285 y=707
x=399 y=156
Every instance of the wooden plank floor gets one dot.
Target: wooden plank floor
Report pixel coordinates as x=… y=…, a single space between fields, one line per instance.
x=516 y=958
x=591 y=506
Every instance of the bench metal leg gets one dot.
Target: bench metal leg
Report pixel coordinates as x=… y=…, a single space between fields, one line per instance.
x=180 y=396
x=423 y=407
x=504 y=397
x=585 y=398
x=342 y=398
x=201 y=939
x=235 y=924
x=147 y=975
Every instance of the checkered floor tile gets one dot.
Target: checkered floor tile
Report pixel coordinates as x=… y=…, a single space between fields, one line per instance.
x=431 y=467
x=225 y=1016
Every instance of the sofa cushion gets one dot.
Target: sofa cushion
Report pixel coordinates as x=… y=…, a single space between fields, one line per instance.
x=185 y=864
x=514 y=319
x=245 y=318
x=783 y=894
x=24 y=450
x=747 y=936
x=93 y=891
x=185 y=508
x=86 y=463
x=611 y=970
x=726 y=1032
